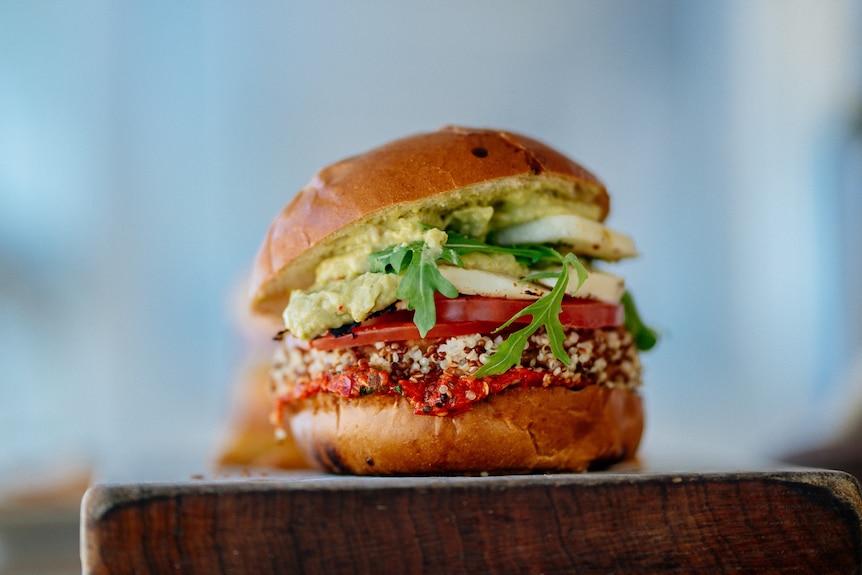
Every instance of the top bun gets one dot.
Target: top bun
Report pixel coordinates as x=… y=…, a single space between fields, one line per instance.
x=451 y=167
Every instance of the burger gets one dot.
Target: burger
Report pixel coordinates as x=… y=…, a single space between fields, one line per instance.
x=447 y=310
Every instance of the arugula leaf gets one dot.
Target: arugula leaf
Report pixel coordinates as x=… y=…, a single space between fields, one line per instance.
x=644 y=336
x=526 y=254
x=417 y=262
x=394 y=259
x=398 y=258
x=417 y=288
x=545 y=312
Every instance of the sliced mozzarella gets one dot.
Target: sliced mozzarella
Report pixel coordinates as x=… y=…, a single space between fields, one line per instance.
x=490 y=284
x=584 y=236
x=598 y=285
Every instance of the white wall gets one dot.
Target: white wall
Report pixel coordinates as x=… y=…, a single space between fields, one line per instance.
x=144 y=147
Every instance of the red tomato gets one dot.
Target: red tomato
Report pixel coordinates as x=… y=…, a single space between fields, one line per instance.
x=470 y=314
x=577 y=312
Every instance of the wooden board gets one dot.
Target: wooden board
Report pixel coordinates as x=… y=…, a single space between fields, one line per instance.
x=785 y=521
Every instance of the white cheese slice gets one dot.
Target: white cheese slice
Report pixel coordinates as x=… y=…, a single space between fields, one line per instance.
x=584 y=236
x=491 y=284
x=598 y=285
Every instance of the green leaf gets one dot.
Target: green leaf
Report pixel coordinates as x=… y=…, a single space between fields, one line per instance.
x=394 y=259
x=526 y=254
x=645 y=337
x=417 y=288
x=400 y=259
x=452 y=256
x=545 y=312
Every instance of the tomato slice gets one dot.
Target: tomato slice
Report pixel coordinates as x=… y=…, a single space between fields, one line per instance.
x=470 y=314
x=399 y=331
x=577 y=312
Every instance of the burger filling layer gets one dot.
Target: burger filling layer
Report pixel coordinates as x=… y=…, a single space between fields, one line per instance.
x=428 y=262
x=437 y=375
x=346 y=289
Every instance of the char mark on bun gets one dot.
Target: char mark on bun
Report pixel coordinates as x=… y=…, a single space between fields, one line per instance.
x=447 y=310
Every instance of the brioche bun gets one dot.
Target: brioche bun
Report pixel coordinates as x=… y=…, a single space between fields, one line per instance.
x=516 y=431
x=451 y=167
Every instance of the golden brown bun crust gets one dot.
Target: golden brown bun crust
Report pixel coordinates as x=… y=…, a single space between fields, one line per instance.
x=402 y=172
x=516 y=431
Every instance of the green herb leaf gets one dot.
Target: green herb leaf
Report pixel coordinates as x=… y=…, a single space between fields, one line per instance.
x=644 y=336
x=394 y=259
x=451 y=255
x=417 y=262
x=529 y=255
x=545 y=312
x=417 y=287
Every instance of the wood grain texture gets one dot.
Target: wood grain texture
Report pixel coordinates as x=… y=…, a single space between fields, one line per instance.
x=794 y=521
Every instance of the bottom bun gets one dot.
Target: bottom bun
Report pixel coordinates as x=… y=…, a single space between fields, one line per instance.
x=515 y=431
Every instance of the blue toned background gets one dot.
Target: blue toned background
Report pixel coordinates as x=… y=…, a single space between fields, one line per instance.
x=145 y=147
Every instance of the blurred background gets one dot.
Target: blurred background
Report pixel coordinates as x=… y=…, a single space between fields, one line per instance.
x=145 y=147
